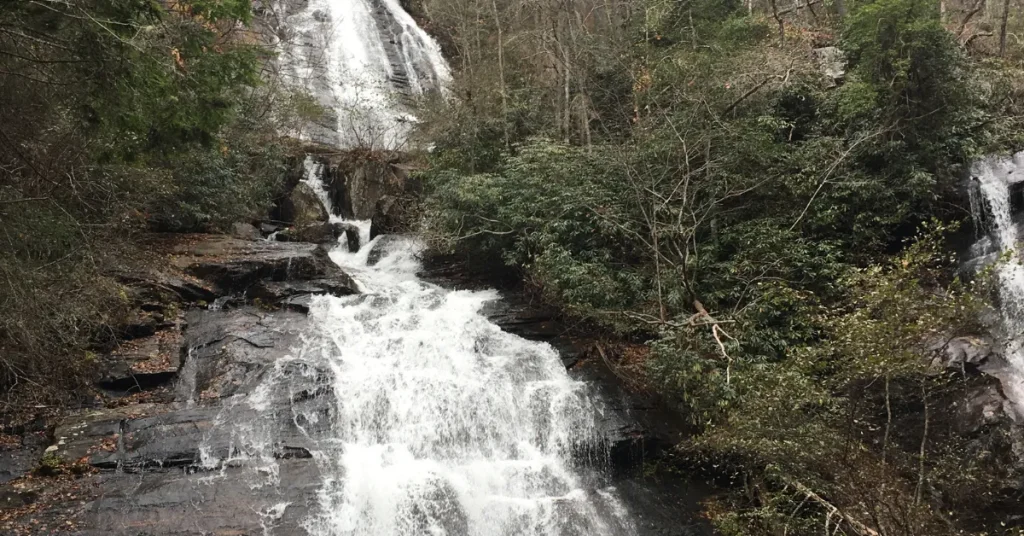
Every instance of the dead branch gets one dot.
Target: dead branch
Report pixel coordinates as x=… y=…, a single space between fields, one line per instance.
x=978 y=6
x=969 y=40
x=717 y=332
x=757 y=88
x=831 y=170
x=833 y=510
x=799 y=7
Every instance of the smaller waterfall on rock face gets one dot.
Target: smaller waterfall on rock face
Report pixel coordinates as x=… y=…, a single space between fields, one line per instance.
x=994 y=178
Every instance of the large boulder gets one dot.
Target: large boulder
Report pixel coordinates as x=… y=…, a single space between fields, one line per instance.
x=356 y=186
x=981 y=406
x=352 y=237
x=315 y=233
x=301 y=207
x=245 y=231
x=387 y=217
x=963 y=353
x=832 y=64
x=232 y=265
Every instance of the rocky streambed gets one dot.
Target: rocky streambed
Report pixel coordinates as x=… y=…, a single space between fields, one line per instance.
x=189 y=438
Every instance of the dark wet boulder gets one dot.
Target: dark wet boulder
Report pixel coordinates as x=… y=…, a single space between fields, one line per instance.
x=231 y=265
x=245 y=231
x=380 y=249
x=301 y=207
x=314 y=233
x=352 y=239
x=964 y=353
x=355 y=186
x=980 y=407
x=387 y=217
x=282 y=292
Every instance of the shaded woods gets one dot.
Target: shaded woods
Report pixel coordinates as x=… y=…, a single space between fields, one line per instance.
x=751 y=202
x=116 y=116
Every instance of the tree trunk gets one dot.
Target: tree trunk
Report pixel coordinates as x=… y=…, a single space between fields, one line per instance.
x=841 y=8
x=888 y=419
x=924 y=443
x=1002 y=28
x=782 y=25
x=501 y=73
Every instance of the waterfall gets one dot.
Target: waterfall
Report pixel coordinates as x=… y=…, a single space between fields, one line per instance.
x=428 y=418
x=431 y=420
x=364 y=60
x=994 y=177
x=312 y=176
x=443 y=423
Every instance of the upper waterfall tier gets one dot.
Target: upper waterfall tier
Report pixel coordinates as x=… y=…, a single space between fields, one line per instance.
x=364 y=60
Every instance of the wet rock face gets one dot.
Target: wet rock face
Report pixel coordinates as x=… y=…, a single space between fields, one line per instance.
x=178 y=469
x=136 y=365
x=301 y=207
x=234 y=266
x=316 y=233
x=386 y=217
x=355 y=187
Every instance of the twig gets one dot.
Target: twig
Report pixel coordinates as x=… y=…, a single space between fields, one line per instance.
x=834 y=510
x=828 y=174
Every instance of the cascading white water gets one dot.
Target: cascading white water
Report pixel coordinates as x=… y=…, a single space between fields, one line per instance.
x=363 y=60
x=430 y=420
x=995 y=176
x=443 y=424
x=436 y=421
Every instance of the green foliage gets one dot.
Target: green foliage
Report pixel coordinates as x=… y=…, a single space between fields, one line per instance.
x=771 y=235
x=551 y=210
x=117 y=114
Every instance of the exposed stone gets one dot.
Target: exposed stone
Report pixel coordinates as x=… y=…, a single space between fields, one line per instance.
x=281 y=292
x=143 y=363
x=982 y=406
x=301 y=207
x=15 y=499
x=159 y=286
x=315 y=233
x=245 y=231
x=352 y=237
x=224 y=347
x=233 y=266
x=17 y=462
x=231 y=502
x=380 y=249
x=229 y=353
x=971 y=353
x=386 y=218
x=831 y=63
x=355 y=187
